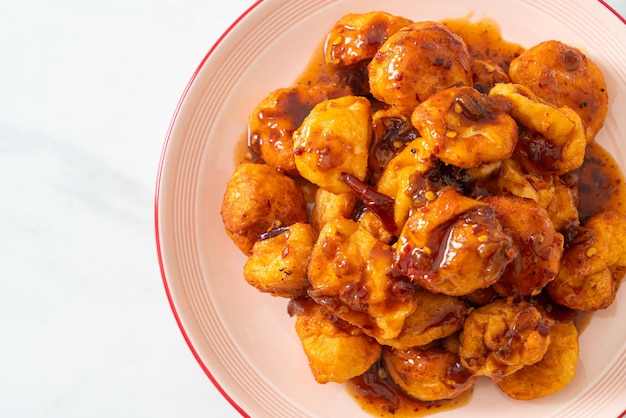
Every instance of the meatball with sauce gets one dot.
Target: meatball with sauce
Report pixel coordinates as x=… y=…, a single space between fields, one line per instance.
x=334 y=139
x=258 y=199
x=438 y=316
x=274 y=120
x=564 y=76
x=555 y=370
x=349 y=274
x=552 y=140
x=454 y=245
x=336 y=350
x=466 y=128
x=593 y=266
x=357 y=37
x=279 y=261
x=428 y=373
x=502 y=337
x=416 y=62
x=540 y=246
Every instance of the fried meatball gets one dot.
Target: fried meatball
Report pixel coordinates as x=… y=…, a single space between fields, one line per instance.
x=466 y=128
x=349 y=274
x=540 y=246
x=437 y=316
x=334 y=139
x=428 y=373
x=357 y=37
x=591 y=270
x=503 y=336
x=454 y=245
x=257 y=199
x=336 y=350
x=278 y=263
x=564 y=76
x=553 y=140
x=274 y=120
x=417 y=61
x=553 y=373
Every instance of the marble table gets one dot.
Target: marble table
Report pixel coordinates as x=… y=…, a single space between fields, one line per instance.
x=87 y=93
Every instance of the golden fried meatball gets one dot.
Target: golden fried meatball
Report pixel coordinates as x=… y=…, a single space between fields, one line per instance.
x=274 y=120
x=591 y=270
x=553 y=140
x=397 y=178
x=503 y=336
x=540 y=246
x=334 y=139
x=437 y=316
x=564 y=76
x=328 y=206
x=453 y=245
x=466 y=128
x=417 y=61
x=336 y=350
x=257 y=199
x=356 y=37
x=278 y=263
x=428 y=373
x=553 y=373
x=349 y=274
x=487 y=74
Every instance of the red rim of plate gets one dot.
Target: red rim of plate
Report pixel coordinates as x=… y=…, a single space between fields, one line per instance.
x=158 y=187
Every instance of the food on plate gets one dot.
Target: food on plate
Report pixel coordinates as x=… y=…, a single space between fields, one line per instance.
x=428 y=373
x=592 y=268
x=539 y=245
x=258 y=199
x=502 y=337
x=337 y=351
x=279 y=261
x=348 y=275
x=416 y=62
x=430 y=197
x=332 y=140
x=274 y=120
x=553 y=372
x=453 y=245
x=466 y=128
x=564 y=76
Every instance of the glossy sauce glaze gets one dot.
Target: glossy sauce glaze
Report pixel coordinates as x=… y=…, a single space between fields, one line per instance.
x=601 y=184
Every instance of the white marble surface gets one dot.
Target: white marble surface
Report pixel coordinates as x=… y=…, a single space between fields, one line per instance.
x=87 y=93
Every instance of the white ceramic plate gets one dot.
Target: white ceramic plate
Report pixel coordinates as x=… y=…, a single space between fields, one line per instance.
x=245 y=340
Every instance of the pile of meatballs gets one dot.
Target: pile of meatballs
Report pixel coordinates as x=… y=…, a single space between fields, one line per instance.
x=417 y=206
